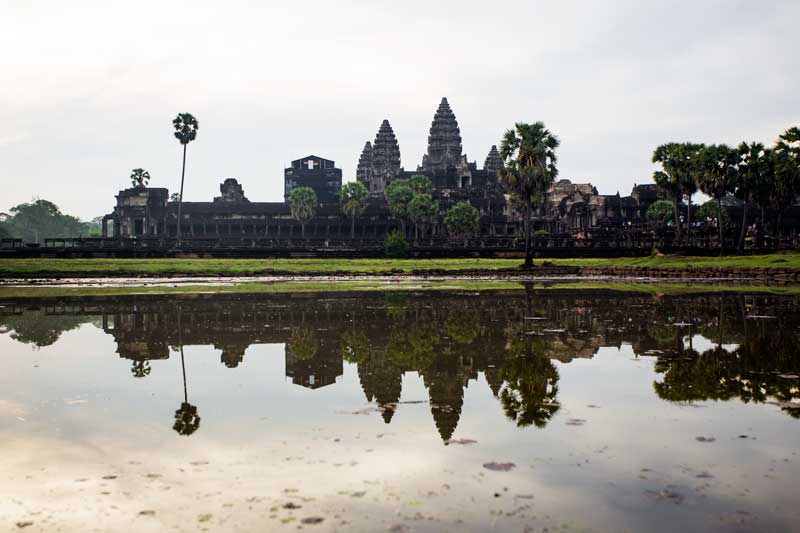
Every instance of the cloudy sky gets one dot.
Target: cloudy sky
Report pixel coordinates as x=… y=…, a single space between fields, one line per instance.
x=88 y=89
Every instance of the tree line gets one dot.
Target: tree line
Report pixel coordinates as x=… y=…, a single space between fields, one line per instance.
x=410 y=202
x=38 y=219
x=763 y=177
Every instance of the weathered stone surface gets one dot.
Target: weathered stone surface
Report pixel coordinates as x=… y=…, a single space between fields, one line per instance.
x=231 y=192
x=444 y=141
x=493 y=163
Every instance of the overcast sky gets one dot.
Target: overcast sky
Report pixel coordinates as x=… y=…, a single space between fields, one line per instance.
x=88 y=89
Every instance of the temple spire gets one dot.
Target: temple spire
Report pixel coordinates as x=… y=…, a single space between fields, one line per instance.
x=364 y=169
x=493 y=163
x=444 y=141
x=385 y=158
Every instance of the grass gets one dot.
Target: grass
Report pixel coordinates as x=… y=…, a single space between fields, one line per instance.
x=240 y=267
x=297 y=287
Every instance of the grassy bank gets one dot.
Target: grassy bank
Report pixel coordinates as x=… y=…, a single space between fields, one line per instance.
x=243 y=267
x=297 y=287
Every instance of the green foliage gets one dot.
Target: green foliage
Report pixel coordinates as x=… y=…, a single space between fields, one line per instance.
x=709 y=211
x=717 y=170
x=399 y=195
x=462 y=326
x=187 y=420
x=38 y=328
x=395 y=245
x=140 y=178
x=756 y=171
x=303 y=205
x=40 y=219
x=679 y=164
x=462 y=220
x=786 y=155
x=353 y=198
x=661 y=211
x=423 y=211
x=420 y=184
x=354 y=346
x=186 y=127
x=529 y=156
x=353 y=201
x=302 y=344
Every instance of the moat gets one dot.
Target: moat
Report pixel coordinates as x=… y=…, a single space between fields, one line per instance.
x=517 y=410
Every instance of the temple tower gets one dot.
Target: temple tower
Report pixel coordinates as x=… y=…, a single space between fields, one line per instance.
x=493 y=163
x=364 y=169
x=444 y=141
x=385 y=159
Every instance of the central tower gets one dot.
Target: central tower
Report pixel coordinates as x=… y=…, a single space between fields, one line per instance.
x=444 y=141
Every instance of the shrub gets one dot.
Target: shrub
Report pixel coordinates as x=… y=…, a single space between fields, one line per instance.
x=395 y=245
x=661 y=211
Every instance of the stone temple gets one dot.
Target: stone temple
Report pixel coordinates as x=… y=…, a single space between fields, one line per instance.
x=148 y=212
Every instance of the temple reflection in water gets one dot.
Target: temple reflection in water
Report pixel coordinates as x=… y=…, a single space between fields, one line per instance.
x=708 y=347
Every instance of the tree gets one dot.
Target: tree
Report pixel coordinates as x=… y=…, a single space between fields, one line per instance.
x=716 y=175
x=676 y=178
x=660 y=211
x=423 y=211
x=399 y=195
x=753 y=177
x=710 y=210
x=529 y=155
x=420 y=184
x=395 y=245
x=140 y=178
x=462 y=220
x=187 y=420
x=787 y=172
x=353 y=200
x=303 y=204
x=39 y=219
x=186 y=127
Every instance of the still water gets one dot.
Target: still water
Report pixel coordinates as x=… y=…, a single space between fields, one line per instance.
x=514 y=411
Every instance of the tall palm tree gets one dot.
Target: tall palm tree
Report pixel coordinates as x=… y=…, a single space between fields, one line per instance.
x=787 y=173
x=303 y=205
x=187 y=420
x=716 y=176
x=353 y=201
x=186 y=127
x=529 y=153
x=677 y=175
x=755 y=175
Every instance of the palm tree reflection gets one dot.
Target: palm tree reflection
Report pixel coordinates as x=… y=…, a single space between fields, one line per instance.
x=187 y=421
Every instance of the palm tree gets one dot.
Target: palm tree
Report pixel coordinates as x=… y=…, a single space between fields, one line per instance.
x=187 y=420
x=787 y=172
x=186 y=127
x=754 y=176
x=677 y=175
x=140 y=178
x=353 y=200
x=529 y=154
x=717 y=174
x=303 y=204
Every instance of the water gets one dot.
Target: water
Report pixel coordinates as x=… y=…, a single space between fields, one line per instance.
x=565 y=410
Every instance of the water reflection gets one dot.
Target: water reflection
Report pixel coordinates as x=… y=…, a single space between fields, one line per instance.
x=707 y=347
